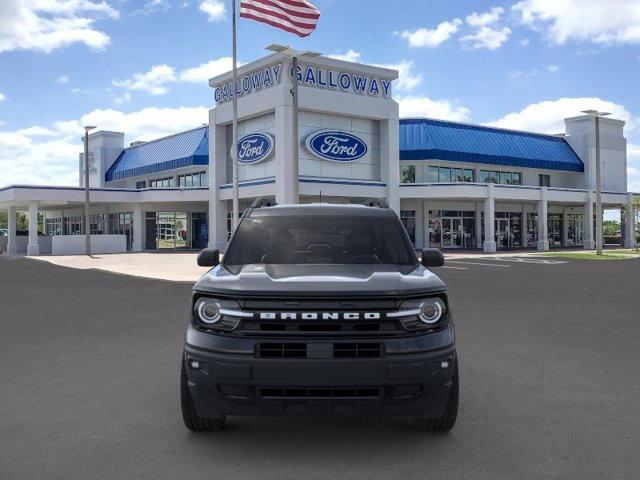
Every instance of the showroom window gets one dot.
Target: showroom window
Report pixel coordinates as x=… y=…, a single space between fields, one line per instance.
x=503 y=178
x=408 y=174
x=447 y=174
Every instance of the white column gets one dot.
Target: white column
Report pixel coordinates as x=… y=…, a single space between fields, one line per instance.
x=32 y=246
x=419 y=220
x=12 y=246
x=478 y=225
x=543 y=240
x=218 y=209
x=629 y=224
x=589 y=242
x=284 y=156
x=138 y=219
x=425 y=227
x=489 y=245
x=390 y=159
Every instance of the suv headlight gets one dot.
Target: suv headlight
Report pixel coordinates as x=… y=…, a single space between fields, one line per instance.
x=421 y=314
x=216 y=314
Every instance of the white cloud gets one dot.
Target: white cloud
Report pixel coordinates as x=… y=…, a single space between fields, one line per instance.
x=525 y=42
x=424 y=37
x=2 y=96
x=552 y=68
x=48 y=155
x=63 y=79
x=154 y=81
x=420 y=106
x=120 y=99
x=214 y=9
x=527 y=75
x=349 y=56
x=407 y=78
x=595 y=21
x=486 y=18
x=548 y=116
x=487 y=37
x=45 y=25
x=203 y=72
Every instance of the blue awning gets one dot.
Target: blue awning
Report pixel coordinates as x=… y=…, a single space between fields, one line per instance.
x=183 y=149
x=427 y=139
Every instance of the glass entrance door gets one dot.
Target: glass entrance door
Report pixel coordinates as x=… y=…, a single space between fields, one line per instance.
x=452 y=233
x=504 y=237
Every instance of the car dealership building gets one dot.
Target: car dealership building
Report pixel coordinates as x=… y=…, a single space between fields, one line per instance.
x=454 y=185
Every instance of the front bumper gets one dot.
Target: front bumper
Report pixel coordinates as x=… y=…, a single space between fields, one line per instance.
x=408 y=379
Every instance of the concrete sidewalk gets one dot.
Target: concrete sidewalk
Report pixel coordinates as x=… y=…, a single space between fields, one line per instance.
x=175 y=267
x=182 y=267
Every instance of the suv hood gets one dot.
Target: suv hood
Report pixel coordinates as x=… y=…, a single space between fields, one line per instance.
x=334 y=280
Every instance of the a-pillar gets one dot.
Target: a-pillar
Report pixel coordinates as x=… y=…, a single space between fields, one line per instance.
x=138 y=220
x=543 y=237
x=629 y=223
x=12 y=245
x=589 y=242
x=489 y=245
x=32 y=246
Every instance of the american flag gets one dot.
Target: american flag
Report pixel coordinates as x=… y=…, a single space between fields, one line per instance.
x=294 y=16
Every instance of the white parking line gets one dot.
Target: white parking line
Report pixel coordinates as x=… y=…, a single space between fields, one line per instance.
x=530 y=260
x=457 y=268
x=478 y=263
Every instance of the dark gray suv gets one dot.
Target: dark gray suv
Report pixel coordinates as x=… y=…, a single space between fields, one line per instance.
x=320 y=310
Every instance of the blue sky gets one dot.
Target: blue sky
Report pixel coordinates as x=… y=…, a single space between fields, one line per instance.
x=141 y=66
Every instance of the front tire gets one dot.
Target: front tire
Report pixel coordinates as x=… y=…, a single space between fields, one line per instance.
x=447 y=420
x=192 y=420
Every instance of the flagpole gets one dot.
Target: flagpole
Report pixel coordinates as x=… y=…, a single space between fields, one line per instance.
x=234 y=147
x=295 y=194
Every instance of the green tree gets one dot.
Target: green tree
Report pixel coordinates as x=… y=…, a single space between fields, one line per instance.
x=610 y=228
x=3 y=220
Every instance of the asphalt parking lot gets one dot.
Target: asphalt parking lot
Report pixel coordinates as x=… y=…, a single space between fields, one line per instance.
x=550 y=370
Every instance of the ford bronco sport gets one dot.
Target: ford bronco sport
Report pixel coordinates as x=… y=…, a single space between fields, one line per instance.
x=319 y=309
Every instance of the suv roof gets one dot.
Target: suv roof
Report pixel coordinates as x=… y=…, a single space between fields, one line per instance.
x=349 y=210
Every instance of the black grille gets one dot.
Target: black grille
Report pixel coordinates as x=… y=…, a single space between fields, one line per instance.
x=282 y=350
x=311 y=393
x=337 y=350
x=357 y=350
x=320 y=328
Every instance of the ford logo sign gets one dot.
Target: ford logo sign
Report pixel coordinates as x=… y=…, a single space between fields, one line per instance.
x=336 y=146
x=255 y=147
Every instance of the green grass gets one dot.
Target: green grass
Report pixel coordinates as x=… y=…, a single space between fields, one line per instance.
x=591 y=255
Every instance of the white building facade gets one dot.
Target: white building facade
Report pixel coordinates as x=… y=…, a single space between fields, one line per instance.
x=455 y=186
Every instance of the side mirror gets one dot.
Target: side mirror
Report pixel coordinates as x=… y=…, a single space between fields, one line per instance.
x=432 y=257
x=209 y=257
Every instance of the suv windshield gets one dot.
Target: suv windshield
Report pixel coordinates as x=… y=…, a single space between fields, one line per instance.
x=320 y=239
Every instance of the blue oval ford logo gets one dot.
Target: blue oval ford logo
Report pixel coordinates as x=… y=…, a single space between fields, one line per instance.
x=255 y=147
x=336 y=146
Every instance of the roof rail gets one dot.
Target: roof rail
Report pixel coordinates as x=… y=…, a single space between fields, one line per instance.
x=376 y=202
x=263 y=202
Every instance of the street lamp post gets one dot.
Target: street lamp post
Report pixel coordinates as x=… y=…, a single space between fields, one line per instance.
x=295 y=55
x=596 y=114
x=87 y=217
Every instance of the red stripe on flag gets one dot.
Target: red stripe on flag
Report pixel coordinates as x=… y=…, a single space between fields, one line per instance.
x=295 y=16
x=274 y=24
x=278 y=6
x=273 y=13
